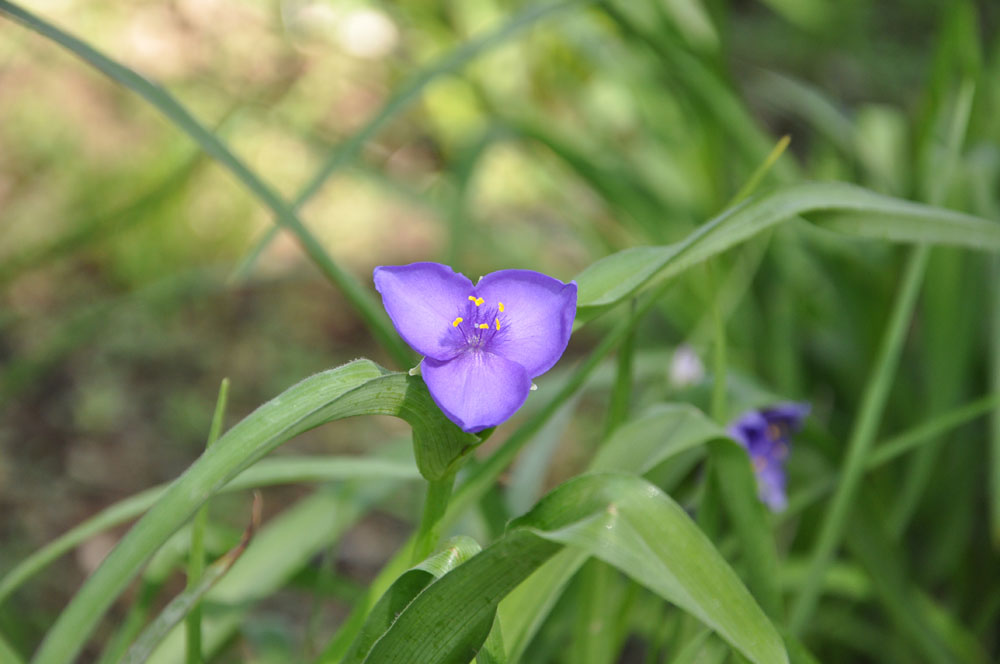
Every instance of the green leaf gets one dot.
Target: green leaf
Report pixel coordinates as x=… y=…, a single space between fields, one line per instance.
x=493 y=651
x=358 y=388
x=639 y=446
x=737 y=487
x=187 y=602
x=837 y=206
x=410 y=584
x=524 y=610
x=267 y=472
x=282 y=548
x=662 y=432
x=621 y=519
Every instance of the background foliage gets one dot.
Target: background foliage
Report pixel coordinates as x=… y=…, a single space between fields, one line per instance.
x=138 y=266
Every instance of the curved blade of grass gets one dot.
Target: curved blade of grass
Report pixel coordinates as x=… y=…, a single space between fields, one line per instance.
x=862 y=436
x=357 y=388
x=663 y=431
x=483 y=476
x=638 y=446
x=266 y=472
x=186 y=603
x=410 y=584
x=526 y=607
x=283 y=548
x=163 y=101
x=845 y=208
x=493 y=651
x=406 y=94
x=621 y=519
x=667 y=430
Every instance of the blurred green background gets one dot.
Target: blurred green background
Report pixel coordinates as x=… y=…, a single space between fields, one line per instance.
x=130 y=279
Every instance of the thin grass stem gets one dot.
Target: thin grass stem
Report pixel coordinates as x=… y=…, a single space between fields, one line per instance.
x=196 y=557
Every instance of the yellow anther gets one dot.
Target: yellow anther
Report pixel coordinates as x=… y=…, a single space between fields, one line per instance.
x=498 y=323
x=500 y=306
x=484 y=326
x=476 y=300
x=457 y=321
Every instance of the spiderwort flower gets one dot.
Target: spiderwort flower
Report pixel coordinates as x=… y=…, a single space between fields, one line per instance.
x=766 y=435
x=482 y=344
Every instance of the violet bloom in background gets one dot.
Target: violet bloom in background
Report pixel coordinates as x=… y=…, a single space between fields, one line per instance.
x=766 y=435
x=482 y=344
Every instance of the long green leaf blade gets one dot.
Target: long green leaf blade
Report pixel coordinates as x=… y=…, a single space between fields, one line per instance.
x=267 y=472
x=404 y=589
x=357 y=388
x=842 y=207
x=621 y=519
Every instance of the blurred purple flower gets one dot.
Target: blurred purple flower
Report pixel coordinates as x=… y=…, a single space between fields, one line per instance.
x=482 y=344
x=766 y=435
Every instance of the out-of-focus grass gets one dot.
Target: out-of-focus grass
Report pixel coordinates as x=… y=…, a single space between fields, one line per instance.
x=608 y=127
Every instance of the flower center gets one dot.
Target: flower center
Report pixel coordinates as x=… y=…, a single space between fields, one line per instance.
x=480 y=322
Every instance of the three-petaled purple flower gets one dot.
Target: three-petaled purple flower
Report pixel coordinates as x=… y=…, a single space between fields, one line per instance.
x=766 y=435
x=482 y=343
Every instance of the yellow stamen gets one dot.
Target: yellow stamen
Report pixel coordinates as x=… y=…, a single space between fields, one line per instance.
x=773 y=431
x=457 y=321
x=500 y=306
x=484 y=326
x=498 y=323
x=476 y=300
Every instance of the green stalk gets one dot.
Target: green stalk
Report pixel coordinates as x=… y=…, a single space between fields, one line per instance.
x=196 y=557
x=897 y=446
x=130 y=628
x=994 y=461
x=865 y=427
x=718 y=360
x=621 y=391
x=435 y=505
x=904 y=442
x=920 y=472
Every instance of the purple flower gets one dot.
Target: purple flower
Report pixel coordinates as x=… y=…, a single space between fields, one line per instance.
x=482 y=344
x=766 y=435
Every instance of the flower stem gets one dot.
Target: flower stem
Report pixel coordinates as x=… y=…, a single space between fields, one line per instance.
x=621 y=393
x=435 y=505
x=718 y=357
x=865 y=427
x=196 y=556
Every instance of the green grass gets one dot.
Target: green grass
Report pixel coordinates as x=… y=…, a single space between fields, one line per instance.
x=805 y=195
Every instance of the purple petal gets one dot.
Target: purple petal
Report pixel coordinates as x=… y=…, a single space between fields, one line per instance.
x=476 y=390
x=788 y=415
x=423 y=299
x=750 y=431
x=537 y=316
x=771 y=487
